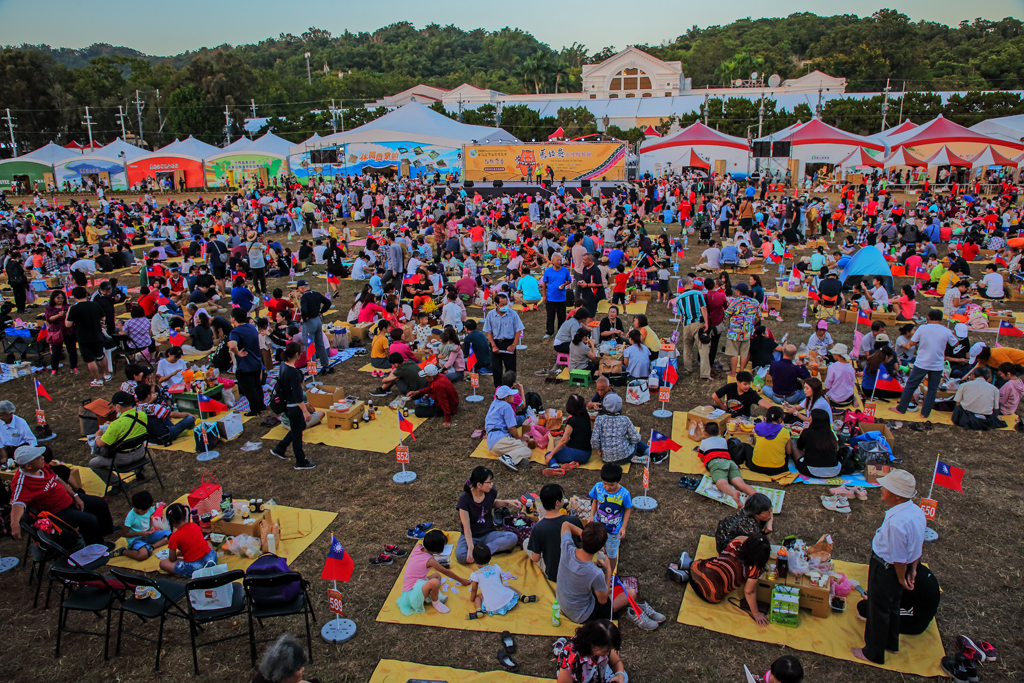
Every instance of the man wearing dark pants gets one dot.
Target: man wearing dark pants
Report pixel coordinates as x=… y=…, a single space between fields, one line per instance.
x=931 y=341
x=716 y=302
x=312 y=306
x=244 y=344
x=553 y=284
x=503 y=329
x=895 y=554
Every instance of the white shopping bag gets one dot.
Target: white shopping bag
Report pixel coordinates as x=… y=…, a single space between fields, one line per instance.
x=211 y=598
x=637 y=392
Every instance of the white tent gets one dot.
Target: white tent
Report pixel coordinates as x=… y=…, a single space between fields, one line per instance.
x=658 y=155
x=1005 y=127
x=265 y=158
x=49 y=154
x=180 y=162
x=412 y=139
x=816 y=142
x=189 y=147
x=107 y=164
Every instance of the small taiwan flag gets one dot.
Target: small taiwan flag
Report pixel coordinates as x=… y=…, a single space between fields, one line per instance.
x=339 y=564
x=406 y=426
x=333 y=279
x=1009 y=329
x=410 y=279
x=812 y=293
x=210 y=405
x=863 y=319
x=177 y=338
x=660 y=442
x=949 y=477
x=885 y=381
x=471 y=359
x=671 y=376
x=41 y=391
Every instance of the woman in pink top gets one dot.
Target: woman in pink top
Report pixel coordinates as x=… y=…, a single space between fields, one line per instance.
x=908 y=303
x=399 y=346
x=419 y=584
x=370 y=310
x=1012 y=389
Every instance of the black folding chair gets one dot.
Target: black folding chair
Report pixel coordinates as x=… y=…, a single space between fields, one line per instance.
x=197 y=618
x=61 y=558
x=301 y=604
x=84 y=591
x=115 y=476
x=38 y=553
x=171 y=593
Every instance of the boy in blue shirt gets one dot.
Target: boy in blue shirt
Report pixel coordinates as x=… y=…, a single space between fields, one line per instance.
x=138 y=525
x=476 y=340
x=611 y=506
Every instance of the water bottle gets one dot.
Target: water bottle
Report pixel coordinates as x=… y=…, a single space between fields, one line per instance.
x=556 y=614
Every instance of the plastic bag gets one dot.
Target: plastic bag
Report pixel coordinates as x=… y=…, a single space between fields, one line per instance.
x=798 y=565
x=243 y=545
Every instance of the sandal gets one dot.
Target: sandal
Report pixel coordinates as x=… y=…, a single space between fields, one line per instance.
x=395 y=551
x=507 y=662
x=558 y=646
x=836 y=504
x=552 y=471
x=528 y=598
x=479 y=614
x=381 y=560
x=509 y=642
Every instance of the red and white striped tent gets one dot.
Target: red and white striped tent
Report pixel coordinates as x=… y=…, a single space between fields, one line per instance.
x=859 y=158
x=557 y=135
x=990 y=157
x=651 y=132
x=944 y=157
x=902 y=157
x=677 y=151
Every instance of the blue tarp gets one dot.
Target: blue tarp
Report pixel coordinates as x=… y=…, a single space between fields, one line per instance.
x=864 y=265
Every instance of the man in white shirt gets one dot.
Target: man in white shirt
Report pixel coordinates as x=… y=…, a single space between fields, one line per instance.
x=14 y=431
x=895 y=554
x=991 y=286
x=931 y=341
x=711 y=259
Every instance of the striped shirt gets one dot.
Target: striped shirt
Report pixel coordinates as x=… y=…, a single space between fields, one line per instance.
x=688 y=305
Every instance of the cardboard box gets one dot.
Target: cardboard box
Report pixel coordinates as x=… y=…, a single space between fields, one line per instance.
x=229 y=427
x=360 y=331
x=343 y=419
x=888 y=318
x=327 y=399
x=643 y=295
x=812 y=597
x=873 y=472
x=236 y=527
x=774 y=303
x=994 y=320
x=702 y=415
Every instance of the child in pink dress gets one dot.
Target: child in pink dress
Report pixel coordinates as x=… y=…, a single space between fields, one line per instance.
x=419 y=584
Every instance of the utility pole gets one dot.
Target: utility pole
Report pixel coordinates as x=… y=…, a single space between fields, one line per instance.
x=497 y=114
x=227 y=125
x=885 y=103
x=10 y=128
x=760 y=115
x=139 y=106
x=460 y=108
x=705 y=109
x=903 y=98
x=252 y=103
x=817 y=110
x=334 y=117
x=309 y=74
x=88 y=124
x=121 y=117
x=159 y=114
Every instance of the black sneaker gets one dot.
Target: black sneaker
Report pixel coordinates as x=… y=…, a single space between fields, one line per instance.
x=280 y=455
x=307 y=465
x=658 y=458
x=380 y=391
x=969 y=667
x=954 y=669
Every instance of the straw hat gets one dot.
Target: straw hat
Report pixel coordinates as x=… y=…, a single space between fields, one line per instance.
x=900 y=483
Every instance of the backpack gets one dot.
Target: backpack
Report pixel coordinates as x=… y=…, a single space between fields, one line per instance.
x=533 y=400
x=269 y=564
x=221 y=358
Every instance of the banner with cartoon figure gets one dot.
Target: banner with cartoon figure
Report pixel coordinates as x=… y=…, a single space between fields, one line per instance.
x=573 y=161
x=232 y=170
x=409 y=159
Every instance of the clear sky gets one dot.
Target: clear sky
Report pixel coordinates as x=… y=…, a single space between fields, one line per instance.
x=173 y=26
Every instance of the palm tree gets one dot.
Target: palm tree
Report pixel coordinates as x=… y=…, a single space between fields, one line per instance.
x=561 y=70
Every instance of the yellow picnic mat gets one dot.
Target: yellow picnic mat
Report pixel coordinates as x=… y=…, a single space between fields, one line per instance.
x=538 y=456
x=187 y=442
x=370 y=368
x=631 y=308
x=832 y=636
x=91 y=482
x=299 y=528
x=884 y=411
x=533 y=619
x=686 y=461
x=378 y=436
x=394 y=671
x=193 y=357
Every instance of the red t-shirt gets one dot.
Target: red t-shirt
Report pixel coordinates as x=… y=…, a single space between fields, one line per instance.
x=275 y=305
x=148 y=304
x=188 y=539
x=621 y=280
x=476 y=233
x=44 y=493
x=969 y=251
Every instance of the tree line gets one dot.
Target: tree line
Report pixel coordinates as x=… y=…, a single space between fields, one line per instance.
x=47 y=89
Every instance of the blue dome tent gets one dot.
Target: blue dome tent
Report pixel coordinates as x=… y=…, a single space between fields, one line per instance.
x=865 y=265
